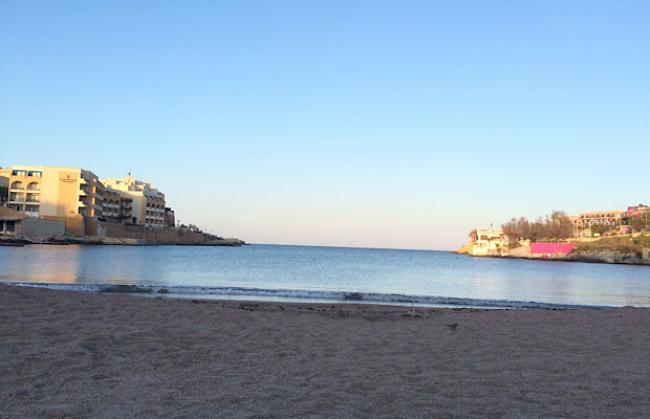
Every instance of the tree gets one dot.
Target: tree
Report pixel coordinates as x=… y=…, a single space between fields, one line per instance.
x=556 y=226
x=516 y=229
x=537 y=230
x=559 y=226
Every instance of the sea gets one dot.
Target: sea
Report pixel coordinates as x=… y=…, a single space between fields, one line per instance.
x=327 y=275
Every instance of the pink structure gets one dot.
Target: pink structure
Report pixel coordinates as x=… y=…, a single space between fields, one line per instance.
x=552 y=248
x=637 y=210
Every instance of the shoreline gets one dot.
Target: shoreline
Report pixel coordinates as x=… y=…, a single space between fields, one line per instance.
x=113 y=355
x=226 y=293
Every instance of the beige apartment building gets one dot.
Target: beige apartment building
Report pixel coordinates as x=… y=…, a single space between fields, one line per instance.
x=147 y=202
x=585 y=220
x=54 y=193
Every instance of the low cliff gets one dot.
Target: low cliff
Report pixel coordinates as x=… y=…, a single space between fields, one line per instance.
x=626 y=249
x=631 y=250
x=608 y=256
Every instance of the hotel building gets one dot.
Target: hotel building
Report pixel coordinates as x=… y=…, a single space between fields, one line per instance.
x=54 y=193
x=116 y=206
x=147 y=202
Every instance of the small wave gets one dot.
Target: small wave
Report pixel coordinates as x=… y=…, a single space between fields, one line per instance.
x=328 y=296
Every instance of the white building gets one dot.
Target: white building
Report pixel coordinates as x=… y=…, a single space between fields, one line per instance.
x=488 y=242
x=148 y=205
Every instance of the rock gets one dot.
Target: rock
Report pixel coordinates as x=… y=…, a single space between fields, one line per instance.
x=353 y=296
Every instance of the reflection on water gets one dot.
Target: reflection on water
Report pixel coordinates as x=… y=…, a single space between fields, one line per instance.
x=337 y=269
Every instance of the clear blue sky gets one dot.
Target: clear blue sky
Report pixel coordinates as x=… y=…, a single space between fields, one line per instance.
x=363 y=123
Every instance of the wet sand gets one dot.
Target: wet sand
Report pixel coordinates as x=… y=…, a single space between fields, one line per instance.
x=67 y=354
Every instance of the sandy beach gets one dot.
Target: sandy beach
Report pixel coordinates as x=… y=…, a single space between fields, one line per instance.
x=67 y=354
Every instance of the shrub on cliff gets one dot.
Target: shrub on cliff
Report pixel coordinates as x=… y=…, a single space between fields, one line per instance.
x=600 y=229
x=640 y=223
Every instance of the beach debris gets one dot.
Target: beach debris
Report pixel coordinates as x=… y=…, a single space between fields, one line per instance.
x=452 y=326
x=249 y=307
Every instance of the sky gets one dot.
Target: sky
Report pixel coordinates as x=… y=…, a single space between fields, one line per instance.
x=400 y=124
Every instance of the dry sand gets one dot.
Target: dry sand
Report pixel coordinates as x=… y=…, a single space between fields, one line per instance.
x=65 y=354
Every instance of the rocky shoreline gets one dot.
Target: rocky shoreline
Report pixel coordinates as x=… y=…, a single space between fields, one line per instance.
x=585 y=256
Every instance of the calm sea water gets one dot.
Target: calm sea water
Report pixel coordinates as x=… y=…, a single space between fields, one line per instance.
x=311 y=272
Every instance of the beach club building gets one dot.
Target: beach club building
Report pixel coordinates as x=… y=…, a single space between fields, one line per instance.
x=488 y=242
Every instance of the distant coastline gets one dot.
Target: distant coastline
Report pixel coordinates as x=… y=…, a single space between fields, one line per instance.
x=620 y=250
x=615 y=236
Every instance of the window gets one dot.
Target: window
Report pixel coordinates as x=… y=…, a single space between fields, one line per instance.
x=17 y=185
x=16 y=196
x=34 y=186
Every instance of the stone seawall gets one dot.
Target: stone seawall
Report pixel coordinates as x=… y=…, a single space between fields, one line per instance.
x=162 y=235
x=115 y=233
x=98 y=232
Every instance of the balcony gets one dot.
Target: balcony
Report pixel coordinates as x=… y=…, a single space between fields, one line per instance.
x=34 y=186
x=17 y=186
